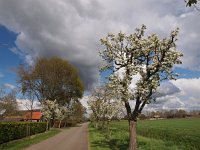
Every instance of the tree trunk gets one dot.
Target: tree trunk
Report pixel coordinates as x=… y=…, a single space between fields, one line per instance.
x=65 y=123
x=132 y=136
x=96 y=124
x=31 y=115
x=47 y=127
x=59 y=124
x=55 y=125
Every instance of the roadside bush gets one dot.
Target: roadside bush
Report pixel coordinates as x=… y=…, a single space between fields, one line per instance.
x=16 y=130
x=37 y=127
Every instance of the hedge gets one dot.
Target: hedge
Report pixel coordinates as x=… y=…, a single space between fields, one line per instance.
x=17 y=130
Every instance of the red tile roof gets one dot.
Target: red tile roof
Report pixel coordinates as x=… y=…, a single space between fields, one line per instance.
x=35 y=115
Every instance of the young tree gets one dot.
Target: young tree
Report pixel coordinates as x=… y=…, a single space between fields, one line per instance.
x=105 y=105
x=52 y=111
x=51 y=79
x=76 y=112
x=61 y=113
x=8 y=102
x=49 y=110
x=95 y=105
x=150 y=58
x=29 y=99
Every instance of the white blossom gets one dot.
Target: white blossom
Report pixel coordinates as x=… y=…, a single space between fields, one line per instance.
x=150 y=57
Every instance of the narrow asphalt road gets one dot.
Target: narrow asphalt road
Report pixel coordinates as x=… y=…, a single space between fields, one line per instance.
x=75 y=138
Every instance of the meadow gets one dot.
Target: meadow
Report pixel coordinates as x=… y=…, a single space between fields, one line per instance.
x=166 y=134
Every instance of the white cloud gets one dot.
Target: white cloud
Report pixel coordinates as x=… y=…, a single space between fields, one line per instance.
x=9 y=86
x=25 y=104
x=188 y=86
x=179 y=94
x=187 y=97
x=84 y=101
x=189 y=94
x=72 y=29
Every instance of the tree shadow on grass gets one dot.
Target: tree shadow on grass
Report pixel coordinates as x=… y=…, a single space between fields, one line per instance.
x=118 y=144
x=113 y=144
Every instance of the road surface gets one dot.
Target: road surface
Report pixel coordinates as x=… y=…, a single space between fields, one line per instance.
x=75 y=138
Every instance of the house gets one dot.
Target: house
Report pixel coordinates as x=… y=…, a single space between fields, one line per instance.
x=156 y=116
x=36 y=115
x=23 y=115
x=12 y=118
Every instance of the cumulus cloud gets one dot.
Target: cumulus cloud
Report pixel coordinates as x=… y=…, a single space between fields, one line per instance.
x=188 y=86
x=189 y=94
x=166 y=88
x=71 y=29
x=176 y=94
x=186 y=97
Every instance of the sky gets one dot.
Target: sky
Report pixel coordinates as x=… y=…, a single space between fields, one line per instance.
x=71 y=29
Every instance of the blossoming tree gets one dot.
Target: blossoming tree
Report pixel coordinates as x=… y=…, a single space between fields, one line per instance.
x=51 y=110
x=47 y=110
x=61 y=113
x=105 y=105
x=148 y=57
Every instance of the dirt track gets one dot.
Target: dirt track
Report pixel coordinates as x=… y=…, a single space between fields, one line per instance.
x=75 y=138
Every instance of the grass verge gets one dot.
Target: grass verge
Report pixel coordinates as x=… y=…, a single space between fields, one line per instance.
x=118 y=140
x=172 y=134
x=26 y=142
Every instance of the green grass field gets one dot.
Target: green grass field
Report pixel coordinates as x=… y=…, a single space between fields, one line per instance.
x=171 y=134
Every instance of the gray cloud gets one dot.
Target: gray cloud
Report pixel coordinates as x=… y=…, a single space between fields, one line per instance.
x=187 y=97
x=176 y=94
x=71 y=29
x=166 y=102
x=166 y=88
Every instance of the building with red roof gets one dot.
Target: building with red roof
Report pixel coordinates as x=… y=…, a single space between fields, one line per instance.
x=36 y=115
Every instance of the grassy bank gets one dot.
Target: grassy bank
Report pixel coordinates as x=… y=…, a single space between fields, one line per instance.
x=26 y=142
x=173 y=134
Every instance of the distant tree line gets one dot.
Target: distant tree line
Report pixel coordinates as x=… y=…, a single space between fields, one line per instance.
x=170 y=114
